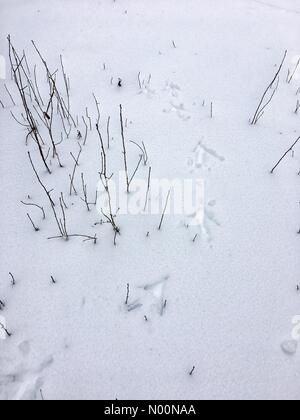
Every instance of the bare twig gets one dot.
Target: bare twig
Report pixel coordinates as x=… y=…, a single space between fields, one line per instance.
x=74 y=170
x=13 y=281
x=291 y=75
x=258 y=112
x=165 y=209
x=281 y=159
x=35 y=205
x=34 y=227
x=9 y=94
x=108 y=132
x=84 y=189
x=148 y=188
x=143 y=150
x=98 y=109
x=124 y=148
x=5 y=330
x=127 y=295
x=192 y=371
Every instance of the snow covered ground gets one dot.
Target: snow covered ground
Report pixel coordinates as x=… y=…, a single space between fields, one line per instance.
x=225 y=303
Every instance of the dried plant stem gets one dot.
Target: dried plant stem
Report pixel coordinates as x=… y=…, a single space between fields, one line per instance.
x=124 y=149
x=34 y=227
x=76 y=160
x=261 y=107
x=35 y=205
x=165 y=209
x=281 y=159
x=148 y=188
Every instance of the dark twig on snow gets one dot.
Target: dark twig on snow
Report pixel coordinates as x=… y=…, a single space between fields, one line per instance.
x=192 y=371
x=35 y=205
x=148 y=188
x=143 y=150
x=127 y=295
x=262 y=104
x=13 y=281
x=281 y=159
x=32 y=222
x=76 y=160
x=108 y=132
x=5 y=330
x=165 y=209
x=85 y=195
x=124 y=148
x=292 y=74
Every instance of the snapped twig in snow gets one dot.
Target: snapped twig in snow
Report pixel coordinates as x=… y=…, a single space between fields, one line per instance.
x=124 y=148
x=281 y=159
x=35 y=205
x=2 y=305
x=32 y=222
x=262 y=104
x=165 y=209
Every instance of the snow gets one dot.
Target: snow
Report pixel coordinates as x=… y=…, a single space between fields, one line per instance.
x=290 y=347
x=223 y=303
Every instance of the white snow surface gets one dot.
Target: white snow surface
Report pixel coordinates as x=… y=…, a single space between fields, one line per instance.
x=232 y=294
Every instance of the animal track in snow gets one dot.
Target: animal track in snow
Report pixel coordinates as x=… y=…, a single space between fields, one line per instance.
x=151 y=297
x=17 y=381
x=174 y=91
x=201 y=157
